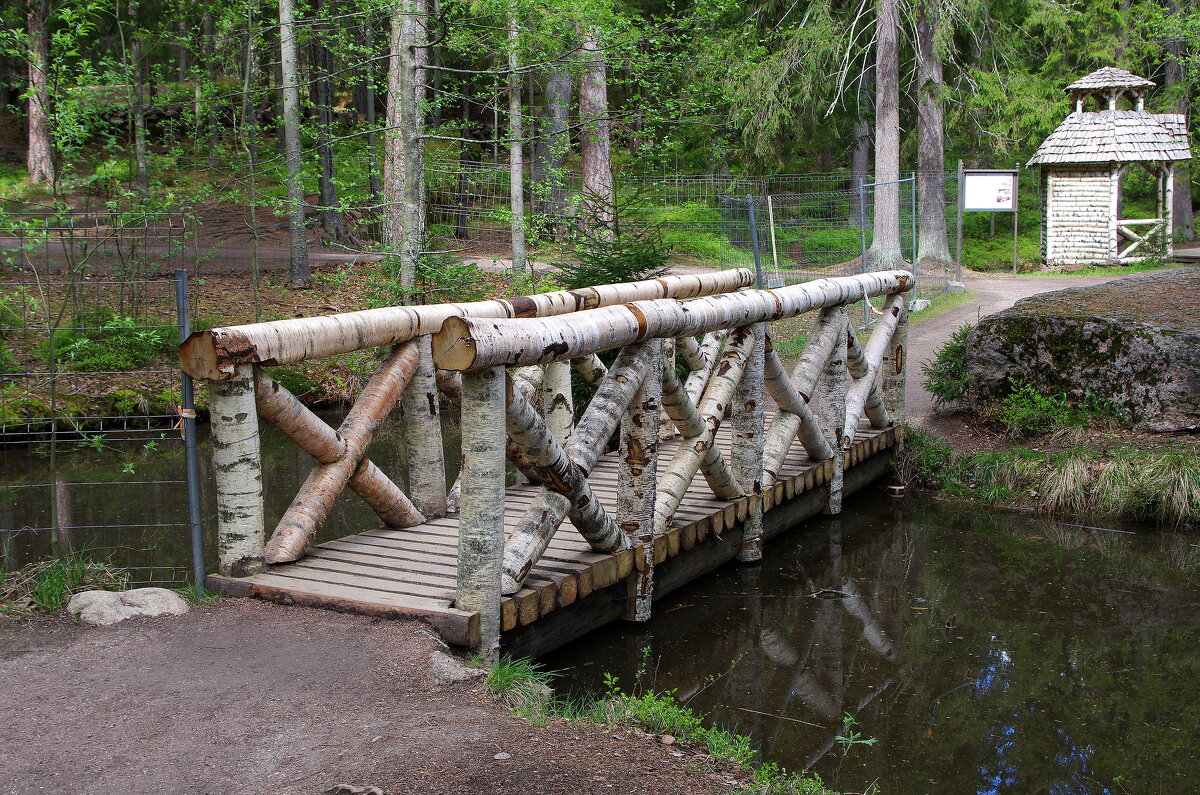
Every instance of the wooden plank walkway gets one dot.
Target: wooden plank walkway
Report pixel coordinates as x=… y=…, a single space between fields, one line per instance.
x=412 y=572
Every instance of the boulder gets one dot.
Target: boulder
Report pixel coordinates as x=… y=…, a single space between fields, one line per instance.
x=447 y=670
x=102 y=608
x=1133 y=342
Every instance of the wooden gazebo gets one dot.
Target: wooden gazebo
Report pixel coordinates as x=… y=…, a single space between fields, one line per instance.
x=1082 y=163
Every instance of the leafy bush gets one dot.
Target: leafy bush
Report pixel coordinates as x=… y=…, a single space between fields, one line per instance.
x=832 y=245
x=16 y=306
x=946 y=375
x=1025 y=410
x=8 y=363
x=99 y=340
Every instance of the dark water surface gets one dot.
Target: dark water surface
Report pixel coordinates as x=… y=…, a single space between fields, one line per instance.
x=128 y=501
x=984 y=653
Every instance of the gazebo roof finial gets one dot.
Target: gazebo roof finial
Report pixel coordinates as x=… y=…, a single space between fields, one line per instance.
x=1110 y=77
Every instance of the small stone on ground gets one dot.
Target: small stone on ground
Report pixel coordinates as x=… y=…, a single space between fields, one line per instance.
x=104 y=608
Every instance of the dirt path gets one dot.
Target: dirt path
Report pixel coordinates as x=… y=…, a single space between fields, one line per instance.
x=991 y=294
x=247 y=698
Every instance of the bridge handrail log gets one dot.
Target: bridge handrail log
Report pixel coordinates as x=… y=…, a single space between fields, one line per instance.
x=834 y=372
x=213 y=354
x=230 y=360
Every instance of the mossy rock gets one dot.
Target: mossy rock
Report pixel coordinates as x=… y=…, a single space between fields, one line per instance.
x=1133 y=342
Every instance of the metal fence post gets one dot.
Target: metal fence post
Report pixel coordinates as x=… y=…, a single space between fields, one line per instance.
x=187 y=412
x=913 y=203
x=758 y=279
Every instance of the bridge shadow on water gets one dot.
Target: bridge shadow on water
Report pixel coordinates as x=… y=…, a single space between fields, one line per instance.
x=985 y=652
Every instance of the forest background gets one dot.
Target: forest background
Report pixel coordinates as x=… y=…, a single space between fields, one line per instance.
x=352 y=120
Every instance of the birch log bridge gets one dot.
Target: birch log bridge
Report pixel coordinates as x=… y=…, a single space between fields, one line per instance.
x=602 y=528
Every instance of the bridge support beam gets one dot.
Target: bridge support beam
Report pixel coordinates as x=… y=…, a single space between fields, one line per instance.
x=238 y=467
x=637 y=476
x=832 y=392
x=481 y=535
x=748 y=443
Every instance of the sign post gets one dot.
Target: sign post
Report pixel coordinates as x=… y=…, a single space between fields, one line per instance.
x=986 y=191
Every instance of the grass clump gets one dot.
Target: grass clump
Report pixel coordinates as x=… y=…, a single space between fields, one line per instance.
x=946 y=377
x=1127 y=484
x=1026 y=411
x=100 y=340
x=524 y=686
x=48 y=585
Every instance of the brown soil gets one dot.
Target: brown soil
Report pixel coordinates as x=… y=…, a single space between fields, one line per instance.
x=250 y=697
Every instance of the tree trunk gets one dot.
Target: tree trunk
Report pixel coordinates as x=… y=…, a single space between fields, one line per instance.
x=183 y=51
x=516 y=157
x=211 y=121
x=595 y=147
x=860 y=155
x=331 y=217
x=933 y=248
x=237 y=469
x=40 y=154
x=299 y=272
x=139 y=104
x=1176 y=78
x=550 y=152
x=368 y=40
x=885 y=252
x=404 y=158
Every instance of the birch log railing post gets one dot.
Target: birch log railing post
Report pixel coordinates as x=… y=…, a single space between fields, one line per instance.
x=481 y=532
x=637 y=479
x=832 y=389
x=748 y=444
x=423 y=436
x=237 y=464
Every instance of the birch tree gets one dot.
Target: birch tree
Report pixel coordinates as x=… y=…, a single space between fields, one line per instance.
x=299 y=272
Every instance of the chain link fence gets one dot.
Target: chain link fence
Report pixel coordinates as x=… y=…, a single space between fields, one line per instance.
x=92 y=459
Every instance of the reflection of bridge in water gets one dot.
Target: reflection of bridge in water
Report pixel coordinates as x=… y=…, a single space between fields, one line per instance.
x=685 y=394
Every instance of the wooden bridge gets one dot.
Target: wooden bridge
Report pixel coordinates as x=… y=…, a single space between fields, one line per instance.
x=594 y=530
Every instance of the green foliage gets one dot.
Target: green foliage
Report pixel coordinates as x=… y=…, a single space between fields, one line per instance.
x=946 y=376
x=604 y=251
x=208 y=599
x=1025 y=411
x=8 y=362
x=49 y=584
x=124 y=402
x=523 y=685
x=295 y=380
x=100 y=340
x=850 y=736
x=789 y=347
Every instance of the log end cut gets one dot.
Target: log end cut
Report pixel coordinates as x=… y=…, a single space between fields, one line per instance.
x=454 y=345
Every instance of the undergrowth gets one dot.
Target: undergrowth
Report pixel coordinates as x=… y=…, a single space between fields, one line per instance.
x=48 y=584
x=524 y=686
x=946 y=376
x=1126 y=483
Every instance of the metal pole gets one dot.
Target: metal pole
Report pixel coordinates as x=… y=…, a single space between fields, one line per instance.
x=187 y=411
x=758 y=279
x=957 y=285
x=913 y=196
x=1016 y=215
x=862 y=235
x=771 y=221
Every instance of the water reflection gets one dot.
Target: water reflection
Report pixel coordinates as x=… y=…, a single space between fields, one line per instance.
x=985 y=654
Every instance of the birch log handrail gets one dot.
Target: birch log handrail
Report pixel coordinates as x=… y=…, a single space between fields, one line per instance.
x=233 y=360
x=213 y=355
x=821 y=403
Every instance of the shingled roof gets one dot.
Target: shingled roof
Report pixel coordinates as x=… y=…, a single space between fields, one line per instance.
x=1120 y=136
x=1109 y=77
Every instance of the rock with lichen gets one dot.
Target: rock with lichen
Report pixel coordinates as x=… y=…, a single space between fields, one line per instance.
x=1134 y=343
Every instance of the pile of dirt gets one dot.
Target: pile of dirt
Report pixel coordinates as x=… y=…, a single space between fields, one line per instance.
x=250 y=697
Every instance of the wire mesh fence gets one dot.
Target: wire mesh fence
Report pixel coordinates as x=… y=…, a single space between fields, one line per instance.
x=91 y=458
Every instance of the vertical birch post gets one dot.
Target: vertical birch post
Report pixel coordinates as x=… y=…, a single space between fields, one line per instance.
x=895 y=371
x=423 y=436
x=238 y=466
x=748 y=442
x=481 y=533
x=557 y=406
x=637 y=477
x=833 y=407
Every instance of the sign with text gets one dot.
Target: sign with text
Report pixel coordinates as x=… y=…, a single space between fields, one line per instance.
x=989 y=191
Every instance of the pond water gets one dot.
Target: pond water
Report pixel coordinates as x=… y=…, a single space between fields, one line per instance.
x=980 y=652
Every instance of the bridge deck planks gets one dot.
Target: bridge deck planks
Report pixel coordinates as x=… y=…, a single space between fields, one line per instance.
x=412 y=572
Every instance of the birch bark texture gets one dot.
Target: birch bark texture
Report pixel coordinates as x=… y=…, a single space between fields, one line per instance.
x=423 y=436
x=595 y=146
x=237 y=466
x=516 y=143
x=636 y=478
x=404 y=152
x=299 y=271
x=481 y=534
x=832 y=395
x=213 y=354
x=748 y=443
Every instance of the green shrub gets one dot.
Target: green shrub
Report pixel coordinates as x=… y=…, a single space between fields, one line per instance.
x=8 y=362
x=1025 y=410
x=294 y=380
x=99 y=340
x=601 y=253
x=946 y=377
x=17 y=307
x=831 y=245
